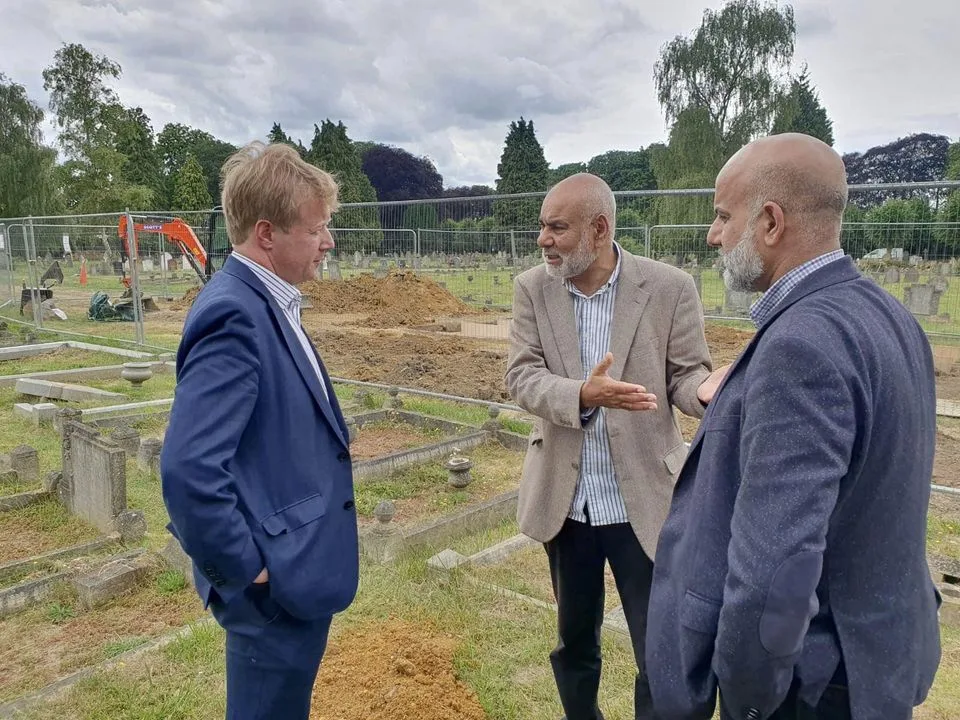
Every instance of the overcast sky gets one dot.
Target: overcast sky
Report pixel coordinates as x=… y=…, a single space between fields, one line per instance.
x=444 y=79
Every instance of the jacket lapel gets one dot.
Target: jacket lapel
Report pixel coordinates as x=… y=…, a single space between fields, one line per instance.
x=563 y=323
x=240 y=271
x=627 y=308
x=306 y=369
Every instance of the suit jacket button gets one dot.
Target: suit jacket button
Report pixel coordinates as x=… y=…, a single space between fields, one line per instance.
x=343 y=457
x=348 y=505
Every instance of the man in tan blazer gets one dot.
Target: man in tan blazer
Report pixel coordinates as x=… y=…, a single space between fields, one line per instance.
x=603 y=346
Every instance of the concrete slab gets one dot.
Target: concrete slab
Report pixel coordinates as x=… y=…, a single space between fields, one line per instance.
x=18 y=352
x=37 y=413
x=116 y=578
x=501 y=551
x=948 y=408
x=446 y=560
x=616 y=620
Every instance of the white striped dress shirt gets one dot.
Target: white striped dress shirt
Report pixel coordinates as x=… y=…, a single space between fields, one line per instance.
x=288 y=298
x=597 y=494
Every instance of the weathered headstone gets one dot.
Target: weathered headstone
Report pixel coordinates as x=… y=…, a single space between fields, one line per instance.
x=911 y=275
x=922 y=299
x=891 y=276
x=25 y=461
x=737 y=302
x=9 y=477
x=148 y=456
x=132 y=526
x=128 y=438
x=177 y=559
x=940 y=284
x=94 y=483
x=357 y=258
x=333 y=267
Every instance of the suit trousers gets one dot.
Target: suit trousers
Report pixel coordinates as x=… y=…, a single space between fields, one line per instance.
x=272 y=657
x=577 y=558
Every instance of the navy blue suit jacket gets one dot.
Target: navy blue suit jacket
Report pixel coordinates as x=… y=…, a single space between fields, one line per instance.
x=797 y=533
x=255 y=467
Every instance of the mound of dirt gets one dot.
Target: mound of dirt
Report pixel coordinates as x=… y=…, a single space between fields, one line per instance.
x=186 y=302
x=726 y=342
x=452 y=365
x=392 y=671
x=403 y=298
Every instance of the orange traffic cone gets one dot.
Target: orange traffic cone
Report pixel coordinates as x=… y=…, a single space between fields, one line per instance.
x=83 y=274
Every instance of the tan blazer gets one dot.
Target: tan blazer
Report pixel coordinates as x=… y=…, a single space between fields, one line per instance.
x=657 y=341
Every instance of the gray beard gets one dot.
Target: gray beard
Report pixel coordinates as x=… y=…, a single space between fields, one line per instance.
x=743 y=265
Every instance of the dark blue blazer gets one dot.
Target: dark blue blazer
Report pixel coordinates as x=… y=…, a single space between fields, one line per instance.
x=797 y=533
x=255 y=467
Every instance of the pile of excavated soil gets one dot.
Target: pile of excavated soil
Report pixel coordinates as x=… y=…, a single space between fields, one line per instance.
x=392 y=671
x=451 y=365
x=726 y=342
x=403 y=298
x=186 y=302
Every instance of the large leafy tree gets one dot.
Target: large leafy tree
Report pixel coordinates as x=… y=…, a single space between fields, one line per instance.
x=27 y=184
x=800 y=111
x=732 y=67
x=399 y=175
x=135 y=141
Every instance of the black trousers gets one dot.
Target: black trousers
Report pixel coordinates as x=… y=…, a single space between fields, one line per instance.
x=577 y=556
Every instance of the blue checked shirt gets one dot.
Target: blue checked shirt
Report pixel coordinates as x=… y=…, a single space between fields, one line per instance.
x=763 y=308
x=289 y=300
x=597 y=491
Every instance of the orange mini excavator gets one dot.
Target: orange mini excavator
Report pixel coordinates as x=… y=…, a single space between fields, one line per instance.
x=178 y=233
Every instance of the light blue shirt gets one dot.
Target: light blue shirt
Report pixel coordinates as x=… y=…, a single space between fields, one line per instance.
x=763 y=308
x=288 y=297
x=597 y=490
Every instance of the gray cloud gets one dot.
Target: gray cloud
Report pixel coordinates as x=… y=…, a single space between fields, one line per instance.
x=445 y=80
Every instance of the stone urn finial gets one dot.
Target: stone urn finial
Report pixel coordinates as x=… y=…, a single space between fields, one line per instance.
x=136 y=373
x=458 y=468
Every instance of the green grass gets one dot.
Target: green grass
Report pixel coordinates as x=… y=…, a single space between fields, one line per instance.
x=170 y=582
x=119 y=647
x=62 y=359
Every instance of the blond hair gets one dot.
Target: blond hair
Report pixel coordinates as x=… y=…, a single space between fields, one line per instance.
x=271 y=182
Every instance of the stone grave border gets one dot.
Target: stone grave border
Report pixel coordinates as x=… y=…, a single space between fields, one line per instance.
x=449 y=561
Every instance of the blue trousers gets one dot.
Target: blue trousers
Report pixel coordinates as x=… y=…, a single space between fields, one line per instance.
x=272 y=657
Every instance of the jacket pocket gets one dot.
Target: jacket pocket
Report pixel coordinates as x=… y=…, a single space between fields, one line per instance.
x=675 y=458
x=698 y=613
x=295 y=516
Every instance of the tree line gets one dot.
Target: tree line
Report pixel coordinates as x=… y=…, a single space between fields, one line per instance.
x=726 y=82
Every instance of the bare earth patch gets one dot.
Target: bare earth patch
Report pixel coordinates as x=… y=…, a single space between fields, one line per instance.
x=376 y=440
x=35 y=650
x=392 y=671
x=38 y=529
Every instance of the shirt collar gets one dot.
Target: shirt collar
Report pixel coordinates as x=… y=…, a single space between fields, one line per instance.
x=287 y=296
x=763 y=308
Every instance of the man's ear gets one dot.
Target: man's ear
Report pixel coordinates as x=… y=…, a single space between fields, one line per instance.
x=602 y=226
x=263 y=234
x=772 y=223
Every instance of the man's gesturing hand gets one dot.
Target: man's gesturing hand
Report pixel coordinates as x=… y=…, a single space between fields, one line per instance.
x=600 y=390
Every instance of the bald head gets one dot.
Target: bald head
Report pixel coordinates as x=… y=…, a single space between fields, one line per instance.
x=587 y=195
x=803 y=175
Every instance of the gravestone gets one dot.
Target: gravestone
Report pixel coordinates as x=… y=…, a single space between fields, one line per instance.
x=922 y=299
x=148 y=456
x=737 y=302
x=357 y=258
x=891 y=276
x=333 y=266
x=911 y=275
x=94 y=483
x=128 y=438
x=417 y=263
x=940 y=284
x=26 y=463
x=132 y=526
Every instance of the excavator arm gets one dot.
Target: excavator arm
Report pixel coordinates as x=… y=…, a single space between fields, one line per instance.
x=178 y=233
